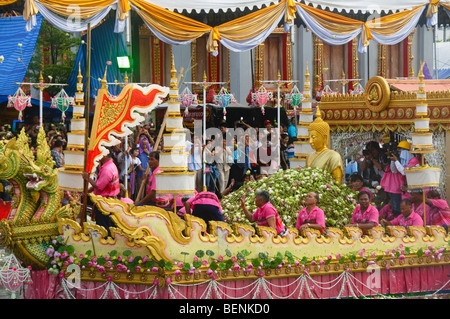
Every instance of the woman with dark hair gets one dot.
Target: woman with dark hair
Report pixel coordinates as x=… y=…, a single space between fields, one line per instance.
x=311 y=216
x=365 y=215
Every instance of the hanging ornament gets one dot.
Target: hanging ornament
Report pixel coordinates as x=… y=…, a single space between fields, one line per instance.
x=13 y=275
x=262 y=96
x=19 y=101
x=187 y=98
x=223 y=99
x=62 y=101
x=294 y=97
x=358 y=89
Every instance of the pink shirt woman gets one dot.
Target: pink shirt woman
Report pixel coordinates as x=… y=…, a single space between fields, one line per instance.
x=311 y=216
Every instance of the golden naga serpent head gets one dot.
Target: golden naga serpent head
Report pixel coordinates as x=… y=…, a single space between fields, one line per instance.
x=41 y=174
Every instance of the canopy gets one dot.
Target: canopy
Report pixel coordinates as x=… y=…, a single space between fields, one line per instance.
x=16 y=49
x=250 y=30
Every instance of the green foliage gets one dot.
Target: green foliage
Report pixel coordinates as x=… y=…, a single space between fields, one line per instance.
x=288 y=190
x=54 y=55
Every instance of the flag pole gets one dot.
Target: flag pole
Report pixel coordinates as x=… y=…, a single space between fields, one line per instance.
x=86 y=116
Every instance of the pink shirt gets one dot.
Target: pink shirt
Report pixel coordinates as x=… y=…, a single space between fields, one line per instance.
x=107 y=184
x=267 y=210
x=315 y=216
x=152 y=186
x=440 y=212
x=205 y=198
x=413 y=219
x=370 y=215
x=386 y=213
x=419 y=211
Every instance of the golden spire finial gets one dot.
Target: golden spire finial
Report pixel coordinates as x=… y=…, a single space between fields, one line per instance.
x=279 y=75
x=204 y=76
x=173 y=71
x=41 y=77
x=104 y=79
x=307 y=72
x=318 y=114
x=79 y=76
x=421 y=76
x=125 y=78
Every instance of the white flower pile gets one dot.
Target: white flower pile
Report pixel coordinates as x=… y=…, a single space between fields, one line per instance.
x=288 y=190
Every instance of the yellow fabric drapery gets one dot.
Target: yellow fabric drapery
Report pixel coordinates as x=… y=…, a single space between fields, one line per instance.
x=432 y=8
x=246 y=27
x=80 y=12
x=6 y=2
x=393 y=23
x=29 y=9
x=338 y=24
x=170 y=24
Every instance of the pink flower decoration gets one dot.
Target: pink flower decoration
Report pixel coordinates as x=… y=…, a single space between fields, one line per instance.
x=177 y=272
x=168 y=281
x=155 y=282
x=155 y=269
x=338 y=256
x=329 y=257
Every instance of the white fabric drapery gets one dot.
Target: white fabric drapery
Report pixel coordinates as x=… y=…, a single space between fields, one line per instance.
x=67 y=25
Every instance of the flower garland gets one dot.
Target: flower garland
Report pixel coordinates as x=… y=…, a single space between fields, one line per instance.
x=61 y=255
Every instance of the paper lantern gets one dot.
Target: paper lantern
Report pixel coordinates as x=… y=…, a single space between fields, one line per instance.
x=19 y=101
x=62 y=101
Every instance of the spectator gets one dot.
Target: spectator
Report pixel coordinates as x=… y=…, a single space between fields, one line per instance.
x=407 y=217
x=311 y=216
x=376 y=157
x=194 y=148
x=356 y=184
x=212 y=174
x=365 y=215
x=292 y=129
x=265 y=214
x=57 y=154
x=144 y=152
x=283 y=151
x=392 y=181
x=225 y=159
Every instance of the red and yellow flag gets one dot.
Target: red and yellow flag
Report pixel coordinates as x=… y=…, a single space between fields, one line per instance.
x=114 y=117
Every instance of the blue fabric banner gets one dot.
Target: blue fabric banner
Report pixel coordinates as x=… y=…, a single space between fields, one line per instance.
x=16 y=49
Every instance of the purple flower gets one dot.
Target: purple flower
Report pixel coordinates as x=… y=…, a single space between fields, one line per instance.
x=49 y=252
x=155 y=269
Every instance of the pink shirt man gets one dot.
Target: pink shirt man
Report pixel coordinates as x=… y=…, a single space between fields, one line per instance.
x=107 y=180
x=413 y=219
x=267 y=210
x=370 y=215
x=205 y=198
x=315 y=216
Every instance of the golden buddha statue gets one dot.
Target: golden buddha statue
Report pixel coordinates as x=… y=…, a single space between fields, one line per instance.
x=323 y=157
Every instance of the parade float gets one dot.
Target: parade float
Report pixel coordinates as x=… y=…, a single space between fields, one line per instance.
x=154 y=253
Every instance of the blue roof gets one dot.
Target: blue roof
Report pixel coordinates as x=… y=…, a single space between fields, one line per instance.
x=16 y=59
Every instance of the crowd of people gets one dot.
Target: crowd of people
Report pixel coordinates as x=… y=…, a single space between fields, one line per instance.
x=128 y=173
